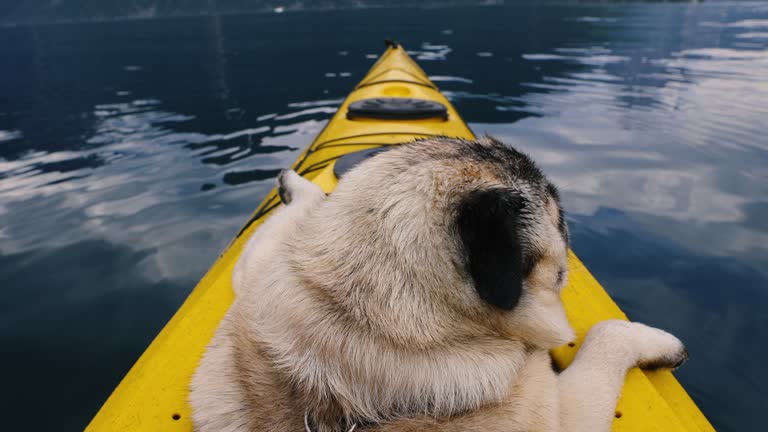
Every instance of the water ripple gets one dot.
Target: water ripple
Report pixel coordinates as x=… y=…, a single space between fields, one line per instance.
x=10 y=135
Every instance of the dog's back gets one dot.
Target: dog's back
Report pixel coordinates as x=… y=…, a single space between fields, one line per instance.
x=423 y=295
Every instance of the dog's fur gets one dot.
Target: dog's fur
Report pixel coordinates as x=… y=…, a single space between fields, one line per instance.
x=423 y=294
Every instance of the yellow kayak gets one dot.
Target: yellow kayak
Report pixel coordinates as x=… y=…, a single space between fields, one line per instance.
x=396 y=102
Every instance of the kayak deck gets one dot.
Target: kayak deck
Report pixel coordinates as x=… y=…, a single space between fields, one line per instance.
x=153 y=395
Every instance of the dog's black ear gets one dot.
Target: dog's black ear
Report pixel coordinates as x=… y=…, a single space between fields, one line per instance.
x=489 y=227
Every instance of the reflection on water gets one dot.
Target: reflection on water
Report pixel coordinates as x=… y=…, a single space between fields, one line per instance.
x=130 y=153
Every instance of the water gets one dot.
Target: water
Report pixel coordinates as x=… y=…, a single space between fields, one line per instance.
x=131 y=152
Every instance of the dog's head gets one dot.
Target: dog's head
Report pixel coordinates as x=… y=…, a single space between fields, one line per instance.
x=471 y=228
x=514 y=240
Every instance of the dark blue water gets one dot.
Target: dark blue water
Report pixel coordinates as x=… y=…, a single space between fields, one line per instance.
x=131 y=152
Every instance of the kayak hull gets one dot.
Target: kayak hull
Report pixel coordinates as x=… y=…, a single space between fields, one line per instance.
x=153 y=395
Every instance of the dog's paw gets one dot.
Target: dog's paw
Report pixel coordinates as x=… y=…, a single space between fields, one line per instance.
x=292 y=187
x=659 y=349
x=647 y=347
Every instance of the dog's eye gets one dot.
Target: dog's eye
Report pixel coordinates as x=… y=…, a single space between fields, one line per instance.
x=560 y=276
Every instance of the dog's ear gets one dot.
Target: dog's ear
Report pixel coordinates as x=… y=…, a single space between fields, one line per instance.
x=489 y=228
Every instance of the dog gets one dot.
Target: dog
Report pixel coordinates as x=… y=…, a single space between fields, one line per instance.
x=423 y=294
